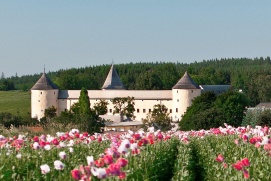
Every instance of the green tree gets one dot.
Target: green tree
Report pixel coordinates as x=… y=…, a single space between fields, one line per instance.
x=158 y=118
x=232 y=105
x=124 y=106
x=265 y=118
x=101 y=107
x=201 y=114
x=84 y=103
x=50 y=112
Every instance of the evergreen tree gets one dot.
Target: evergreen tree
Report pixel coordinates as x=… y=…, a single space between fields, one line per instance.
x=84 y=103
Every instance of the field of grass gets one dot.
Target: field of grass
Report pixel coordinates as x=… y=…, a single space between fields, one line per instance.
x=15 y=102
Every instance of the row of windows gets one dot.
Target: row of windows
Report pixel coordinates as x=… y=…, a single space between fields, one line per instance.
x=144 y=110
x=41 y=92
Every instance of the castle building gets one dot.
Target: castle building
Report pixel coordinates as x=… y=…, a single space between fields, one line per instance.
x=45 y=94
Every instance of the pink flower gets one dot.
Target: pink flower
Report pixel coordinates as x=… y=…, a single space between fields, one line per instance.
x=113 y=169
x=55 y=141
x=76 y=175
x=246 y=174
x=253 y=140
x=236 y=141
x=108 y=159
x=220 y=158
x=122 y=175
x=245 y=162
x=238 y=165
x=36 y=139
x=122 y=162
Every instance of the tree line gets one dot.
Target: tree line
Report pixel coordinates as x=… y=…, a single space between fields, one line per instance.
x=252 y=76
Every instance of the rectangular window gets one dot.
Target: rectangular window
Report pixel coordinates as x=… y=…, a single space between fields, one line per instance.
x=170 y=110
x=144 y=110
x=137 y=110
x=110 y=110
x=176 y=109
x=177 y=100
x=38 y=100
x=40 y=92
x=149 y=110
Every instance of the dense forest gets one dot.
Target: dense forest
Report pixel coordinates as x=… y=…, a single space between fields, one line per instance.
x=252 y=76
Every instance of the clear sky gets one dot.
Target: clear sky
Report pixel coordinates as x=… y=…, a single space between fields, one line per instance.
x=63 y=34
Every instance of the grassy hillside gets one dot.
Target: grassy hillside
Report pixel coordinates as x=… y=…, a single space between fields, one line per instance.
x=15 y=102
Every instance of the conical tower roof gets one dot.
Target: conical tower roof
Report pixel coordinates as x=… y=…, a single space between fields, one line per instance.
x=186 y=82
x=112 y=80
x=44 y=83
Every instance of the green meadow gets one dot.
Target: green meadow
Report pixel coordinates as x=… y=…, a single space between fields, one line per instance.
x=15 y=102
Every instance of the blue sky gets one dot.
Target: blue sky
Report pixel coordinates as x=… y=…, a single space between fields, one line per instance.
x=64 y=34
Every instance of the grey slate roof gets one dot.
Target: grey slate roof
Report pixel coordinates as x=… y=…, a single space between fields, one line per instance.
x=112 y=80
x=264 y=105
x=44 y=83
x=217 y=89
x=186 y=82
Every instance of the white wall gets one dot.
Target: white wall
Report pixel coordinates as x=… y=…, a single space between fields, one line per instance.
x=41 y=100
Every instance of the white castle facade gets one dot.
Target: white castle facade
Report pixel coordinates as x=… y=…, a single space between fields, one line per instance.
x=45 y=94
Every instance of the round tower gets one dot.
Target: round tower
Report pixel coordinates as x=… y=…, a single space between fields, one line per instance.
x=182 y=95
x=44 y=94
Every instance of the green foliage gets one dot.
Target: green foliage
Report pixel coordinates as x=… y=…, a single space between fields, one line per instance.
x=209 y=111
x=232 y=105
x=7 y=119
x=251 y=117
x=84 y=103
x=158 y=118
x=265 y=118
x=124 y=106
x=155 y=162
x=259 y=117
x=50 y=112
x=6 y=85
x=201 y=114
x=100 y=107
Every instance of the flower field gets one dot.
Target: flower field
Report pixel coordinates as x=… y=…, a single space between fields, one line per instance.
x=217 y=154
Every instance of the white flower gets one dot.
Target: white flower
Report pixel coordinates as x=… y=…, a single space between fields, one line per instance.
x=45 y=169
x=98 y=172
x=19 y=155
x=151 y=129
x=90 y=160
x=122 y=149
x=47 y=147
x=71 y=149
x=133 y=146
x=59 y=165
x=73 y=131
x=58 y=134
x=265 y=140
x=71 y=143
x=62 y=155
x=36 y=145
x=2 y=138
x=62 y=144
